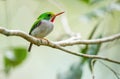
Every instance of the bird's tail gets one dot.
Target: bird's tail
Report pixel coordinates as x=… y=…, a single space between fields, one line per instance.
x=30 y=46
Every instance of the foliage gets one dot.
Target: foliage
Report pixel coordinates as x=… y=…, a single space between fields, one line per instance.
x=101 y=11
x=14 y=57
x=92 y=1
x=76 y=69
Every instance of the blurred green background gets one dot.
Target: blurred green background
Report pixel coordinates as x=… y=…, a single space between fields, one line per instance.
x=48 y=63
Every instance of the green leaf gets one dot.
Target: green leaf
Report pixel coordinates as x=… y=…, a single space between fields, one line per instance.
x=93 y=50
x=86 y=1
x=92 y=1
x=86 y=48
x=14 y=57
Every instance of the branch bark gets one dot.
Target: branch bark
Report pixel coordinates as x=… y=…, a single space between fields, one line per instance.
x=93 y=41
x=58 y=45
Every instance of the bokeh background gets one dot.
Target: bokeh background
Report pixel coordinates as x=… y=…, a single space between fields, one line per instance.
x=48 y=63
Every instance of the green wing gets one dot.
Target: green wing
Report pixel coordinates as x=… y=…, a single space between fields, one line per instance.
x=36 y=24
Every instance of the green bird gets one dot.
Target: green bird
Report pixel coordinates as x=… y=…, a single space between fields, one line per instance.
x=43 y=26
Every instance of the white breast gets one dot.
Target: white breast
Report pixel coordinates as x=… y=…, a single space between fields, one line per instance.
x=43 y=29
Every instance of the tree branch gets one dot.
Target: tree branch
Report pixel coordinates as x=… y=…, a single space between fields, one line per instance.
x=58 y=45
x=70 y=42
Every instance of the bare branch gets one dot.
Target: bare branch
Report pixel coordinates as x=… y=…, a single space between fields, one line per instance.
x=70 y=42
x=115 y=73
x=20 y=34
x=58 y=45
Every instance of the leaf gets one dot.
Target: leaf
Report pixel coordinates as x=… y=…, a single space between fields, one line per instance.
x=76 y=70
x=14 y=57
x=93 y=50
x=86 y=1
x=86 y=48
x=92 y=1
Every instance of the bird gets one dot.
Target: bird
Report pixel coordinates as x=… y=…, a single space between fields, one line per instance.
x=42 y=26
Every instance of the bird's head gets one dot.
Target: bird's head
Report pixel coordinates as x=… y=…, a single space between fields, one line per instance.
x=49 y=16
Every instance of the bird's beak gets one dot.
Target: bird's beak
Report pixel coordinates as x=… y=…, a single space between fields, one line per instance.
x=53 y=18
x=59 y=14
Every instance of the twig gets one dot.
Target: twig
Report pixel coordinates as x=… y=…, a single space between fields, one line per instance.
x=93 y=41
x=116 y=74
x=58 y=46
x=92 y=68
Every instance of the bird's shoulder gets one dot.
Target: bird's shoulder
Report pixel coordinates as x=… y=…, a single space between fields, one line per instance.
x=35 y=24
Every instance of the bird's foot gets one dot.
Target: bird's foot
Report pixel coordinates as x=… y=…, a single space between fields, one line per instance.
x=45 y=40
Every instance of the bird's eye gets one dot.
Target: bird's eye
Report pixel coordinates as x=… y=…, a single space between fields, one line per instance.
x=49 y=14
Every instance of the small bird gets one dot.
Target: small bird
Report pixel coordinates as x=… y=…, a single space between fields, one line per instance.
x=43 y=26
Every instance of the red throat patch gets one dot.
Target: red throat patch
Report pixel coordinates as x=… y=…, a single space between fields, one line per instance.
x=53 y=18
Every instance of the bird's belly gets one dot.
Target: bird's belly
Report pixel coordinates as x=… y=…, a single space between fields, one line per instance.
x=43 y=29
